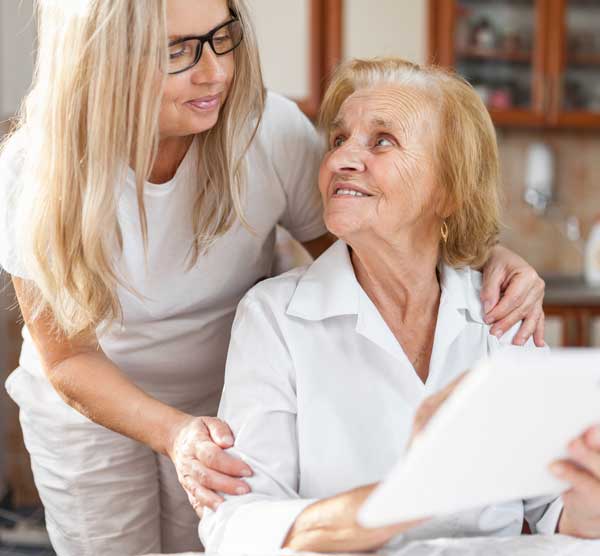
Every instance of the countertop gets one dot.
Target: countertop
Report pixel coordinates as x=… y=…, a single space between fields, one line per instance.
x=570 y=290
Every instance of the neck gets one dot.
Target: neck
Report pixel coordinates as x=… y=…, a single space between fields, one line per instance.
x=170 y=154
x=399 y=275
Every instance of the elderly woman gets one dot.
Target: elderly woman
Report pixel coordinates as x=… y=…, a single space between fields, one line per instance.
x=389 y=315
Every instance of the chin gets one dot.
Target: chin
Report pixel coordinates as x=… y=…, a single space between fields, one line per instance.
x=340 y=225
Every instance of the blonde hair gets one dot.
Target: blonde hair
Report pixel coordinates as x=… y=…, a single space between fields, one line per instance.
x=466 y=152
x=92 y=111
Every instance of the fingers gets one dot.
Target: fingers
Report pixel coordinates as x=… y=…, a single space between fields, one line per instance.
x=579 y=479
x=430 y=405
x=199 y=495
x=213 y=457
x=585 y=451
x=199 y=476
x=525 y=293
x=512 y=299
x=492 y=284
x=540 y=329
x=514 y=310
x=526 y=330
x=219 y=431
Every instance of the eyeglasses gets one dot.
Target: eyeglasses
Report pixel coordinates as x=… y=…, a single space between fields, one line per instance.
x=185 y=53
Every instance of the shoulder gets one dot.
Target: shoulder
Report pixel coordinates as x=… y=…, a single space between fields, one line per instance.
x=463 y=287
x=278 y=107
x=283 y=121
x=12 y=158
x=274 y=294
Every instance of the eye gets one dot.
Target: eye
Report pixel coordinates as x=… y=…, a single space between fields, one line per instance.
x=179 y=50
x=383 y=142
x=338 y=141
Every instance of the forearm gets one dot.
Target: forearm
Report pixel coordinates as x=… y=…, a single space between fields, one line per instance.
x=93 y=385
x=330 y=526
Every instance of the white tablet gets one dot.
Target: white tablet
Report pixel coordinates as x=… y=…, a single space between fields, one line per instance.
x=494 y=438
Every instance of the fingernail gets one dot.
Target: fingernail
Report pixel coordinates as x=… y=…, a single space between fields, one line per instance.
x=558 y=469
x=215 y=505
x=246 y=473
x=487 y=306
x=242 y=490
x=519 y=341
x=498 y=333
x=227 y=440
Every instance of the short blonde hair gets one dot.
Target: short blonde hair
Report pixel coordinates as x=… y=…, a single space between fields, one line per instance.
x=466 y=152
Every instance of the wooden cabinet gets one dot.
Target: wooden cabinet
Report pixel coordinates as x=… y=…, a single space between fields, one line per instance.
x=535 y=63
x=572 y=325
x=300 y=43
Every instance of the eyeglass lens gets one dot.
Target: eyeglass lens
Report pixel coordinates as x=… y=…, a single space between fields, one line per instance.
x=185 y=54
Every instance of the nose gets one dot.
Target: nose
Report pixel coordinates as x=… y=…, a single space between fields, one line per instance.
x=348 y=158
x=209 y=68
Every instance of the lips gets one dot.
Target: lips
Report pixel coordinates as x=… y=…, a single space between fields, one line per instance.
x=345 y=189
x=205 y=103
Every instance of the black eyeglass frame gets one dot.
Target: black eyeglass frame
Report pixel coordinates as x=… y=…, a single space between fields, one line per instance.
x=207 y=38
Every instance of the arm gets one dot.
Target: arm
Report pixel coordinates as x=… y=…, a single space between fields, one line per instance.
x=259 y=401
x=512 y=292
x=330 y=526
x=92 y=384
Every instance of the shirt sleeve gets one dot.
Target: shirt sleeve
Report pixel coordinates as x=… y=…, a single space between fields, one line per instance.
x=11 y=162
x=542 y=513
x=259 y=403
x=296 y=153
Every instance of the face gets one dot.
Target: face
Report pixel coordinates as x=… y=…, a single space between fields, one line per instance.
x=377 y=179
x=192 y=100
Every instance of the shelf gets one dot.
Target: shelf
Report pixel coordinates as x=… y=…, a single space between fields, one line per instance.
x=592 y=59
x=494 y=55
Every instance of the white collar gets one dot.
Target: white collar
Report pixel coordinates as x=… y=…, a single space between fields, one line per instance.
x=329 y=288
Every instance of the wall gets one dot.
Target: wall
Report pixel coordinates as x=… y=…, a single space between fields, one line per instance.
x=17 y=43
x=542 y=239
x=385 y=27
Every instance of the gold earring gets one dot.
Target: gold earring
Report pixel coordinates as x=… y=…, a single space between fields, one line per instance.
x=444 y=232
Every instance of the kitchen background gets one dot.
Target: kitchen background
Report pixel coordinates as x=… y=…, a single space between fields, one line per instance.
x=536 y=63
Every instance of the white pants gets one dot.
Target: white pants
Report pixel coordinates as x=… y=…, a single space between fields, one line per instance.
x=104 y=494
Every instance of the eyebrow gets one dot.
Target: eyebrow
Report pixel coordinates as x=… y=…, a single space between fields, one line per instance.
x=376 y=122
x=192 y=36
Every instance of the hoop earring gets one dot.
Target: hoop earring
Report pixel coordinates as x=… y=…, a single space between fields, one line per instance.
x=444 y=231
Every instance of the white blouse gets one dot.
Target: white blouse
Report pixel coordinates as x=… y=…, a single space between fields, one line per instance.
x=321 y=399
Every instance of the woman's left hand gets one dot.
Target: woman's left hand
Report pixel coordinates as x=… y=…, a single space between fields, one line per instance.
x=512 y=292
x=581 y=513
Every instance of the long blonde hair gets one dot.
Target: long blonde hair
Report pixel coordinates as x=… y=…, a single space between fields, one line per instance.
x=93 y=110
x=466 y=150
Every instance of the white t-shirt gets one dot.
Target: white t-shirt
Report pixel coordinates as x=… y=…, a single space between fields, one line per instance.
x=173 y=341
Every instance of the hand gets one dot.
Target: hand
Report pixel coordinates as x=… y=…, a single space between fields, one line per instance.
x=581 y=513
x=512 y=291
x=202 y=466
x=430 y=405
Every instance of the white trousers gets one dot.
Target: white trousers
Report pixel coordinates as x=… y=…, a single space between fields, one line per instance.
x=104 y=494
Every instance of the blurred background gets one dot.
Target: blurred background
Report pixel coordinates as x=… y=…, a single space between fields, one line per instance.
x=536 y=65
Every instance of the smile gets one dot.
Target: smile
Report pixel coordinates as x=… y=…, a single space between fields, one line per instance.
x=204 y=104
x=347 y=192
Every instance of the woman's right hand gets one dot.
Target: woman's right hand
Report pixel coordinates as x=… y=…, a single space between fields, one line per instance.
x=196 y=449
